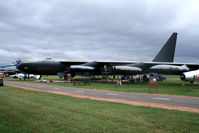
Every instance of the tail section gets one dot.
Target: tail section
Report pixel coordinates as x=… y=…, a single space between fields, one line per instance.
x=166 y=54
x=18 y=61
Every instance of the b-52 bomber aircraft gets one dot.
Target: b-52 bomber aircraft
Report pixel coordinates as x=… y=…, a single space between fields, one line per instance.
x=162 y=63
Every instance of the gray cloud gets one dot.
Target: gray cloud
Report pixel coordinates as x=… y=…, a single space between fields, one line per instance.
x=97 y=30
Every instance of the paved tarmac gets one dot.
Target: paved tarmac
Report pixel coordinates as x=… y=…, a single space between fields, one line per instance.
x=151 y=98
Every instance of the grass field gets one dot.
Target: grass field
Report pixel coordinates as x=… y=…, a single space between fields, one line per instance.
x=172 y=86
x=40 y=112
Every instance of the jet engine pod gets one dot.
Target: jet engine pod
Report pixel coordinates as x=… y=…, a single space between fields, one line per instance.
x=169 y=69
x=127 y=70
x=81 y=68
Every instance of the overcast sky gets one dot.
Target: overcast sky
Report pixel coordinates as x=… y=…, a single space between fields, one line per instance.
x=119 y=30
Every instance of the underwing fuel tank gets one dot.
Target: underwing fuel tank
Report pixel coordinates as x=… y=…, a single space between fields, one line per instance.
x=126 y=70
x=169 y=69
x=190 y=76
x=81 y=68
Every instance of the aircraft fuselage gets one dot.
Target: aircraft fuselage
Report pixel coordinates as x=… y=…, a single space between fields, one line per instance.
x=42 y=68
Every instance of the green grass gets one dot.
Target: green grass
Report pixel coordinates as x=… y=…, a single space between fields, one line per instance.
x=40 y=112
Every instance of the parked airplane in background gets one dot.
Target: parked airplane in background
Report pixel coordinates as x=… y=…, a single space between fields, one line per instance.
x=162 y=63
x=25 y=76
x=10 y=69
x=190 y=76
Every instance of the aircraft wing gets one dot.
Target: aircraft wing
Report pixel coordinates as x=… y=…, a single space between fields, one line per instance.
x=192 y=66
x=165 y=67
x=133 y=68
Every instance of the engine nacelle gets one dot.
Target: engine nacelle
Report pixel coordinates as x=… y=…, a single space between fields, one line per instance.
x=190 y=76
x=169 y=69
x=127 y=70
x=81 y=67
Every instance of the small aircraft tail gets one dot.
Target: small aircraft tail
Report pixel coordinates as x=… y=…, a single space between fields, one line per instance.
x=18 y=61
x=166 y=54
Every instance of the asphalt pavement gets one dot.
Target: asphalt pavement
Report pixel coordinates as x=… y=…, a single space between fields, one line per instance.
x=151 y=98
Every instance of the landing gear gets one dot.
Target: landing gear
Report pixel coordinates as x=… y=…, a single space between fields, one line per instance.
x=40 y=77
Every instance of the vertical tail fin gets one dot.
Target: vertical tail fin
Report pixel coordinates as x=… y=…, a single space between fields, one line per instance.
x=18 y=61
x=166 y=54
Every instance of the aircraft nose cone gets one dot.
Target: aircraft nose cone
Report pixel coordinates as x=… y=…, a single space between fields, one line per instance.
x=20 y=66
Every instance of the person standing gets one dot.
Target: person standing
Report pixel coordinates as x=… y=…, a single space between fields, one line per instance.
x=119 y=81
x=68 y=78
